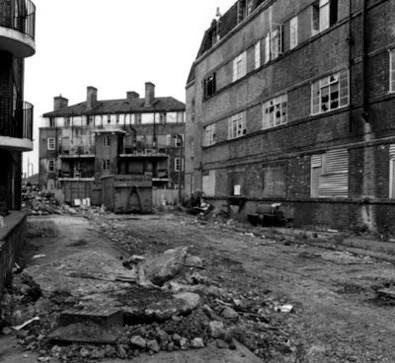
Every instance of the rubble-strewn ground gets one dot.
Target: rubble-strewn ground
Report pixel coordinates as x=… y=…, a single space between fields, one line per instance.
x=251 y=280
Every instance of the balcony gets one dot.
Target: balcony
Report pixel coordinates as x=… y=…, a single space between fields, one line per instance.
x=142 y=153
x=75 y=175
x=17 y=31
x=77 y=152
x=16 y=125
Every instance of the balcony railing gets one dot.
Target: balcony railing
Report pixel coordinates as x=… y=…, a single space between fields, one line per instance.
x=24 y=21
x=16 y=119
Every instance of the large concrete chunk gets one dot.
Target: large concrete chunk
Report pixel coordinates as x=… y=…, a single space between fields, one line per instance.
x=165 y=267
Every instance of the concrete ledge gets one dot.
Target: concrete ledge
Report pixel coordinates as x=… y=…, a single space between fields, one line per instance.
x=17 y=43
x=16 y=144
x=12 y=238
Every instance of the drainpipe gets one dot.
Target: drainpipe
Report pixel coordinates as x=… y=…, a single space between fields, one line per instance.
x=180 y=171
x=369 y=169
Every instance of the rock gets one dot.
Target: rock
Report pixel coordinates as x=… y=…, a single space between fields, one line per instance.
x=216 y=329
x=176 y=338
x=194 y=261
x=191 y=301
x=183 y=343
x=170 y=347
x=221 y=344
x=213 y=291
x=163 y=338
x=84 y=353
x=6 y=331
x=165 y=267
x=122 y=351
x=138 y=342
x=153 y=346
x=229 y=313
x=197 y=278
x=197 y=343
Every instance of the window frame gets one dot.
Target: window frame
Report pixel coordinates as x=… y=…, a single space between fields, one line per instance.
x=239 y=66
x=209 y=135
x=210 y=85
x=53 y=168
x=179 y=162
x=274 y=102
x=293 y=32
x=326 y=83
x=257 y=55
x=50 y=141
x=236 y=122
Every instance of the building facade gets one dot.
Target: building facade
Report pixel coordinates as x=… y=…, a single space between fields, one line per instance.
x=17 y=28
x=93 y=139
x=294 y=102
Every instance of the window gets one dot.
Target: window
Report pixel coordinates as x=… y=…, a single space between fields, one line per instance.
x=178 y=141
x=178 y=164
x=329 y=174
x=209 y=135
x=117 y=118
x=257 y=55
x=51 y=144
x=273 y=44
x=210 y=86
x=392 y=70
x=163 y=117
x=51 y=166
x=275 y=112
x=106 y=164
x=273 y=181
x=240 y=66
x=293 y=36
x=237 y=126
x=107 y=140
x=330 y=93
x=138 y=118
x=325 y=14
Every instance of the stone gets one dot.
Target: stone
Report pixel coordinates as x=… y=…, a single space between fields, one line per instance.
x=176 y=338
x=197 y=343
x=165 y=267
x=183 y=343
x=190 y=301
x=229 y=313
x=216 y=329
x=6 y=331
x=221 y=344
x=194 y=261
x=170 y=347
x=153 y=346
x=138 y=342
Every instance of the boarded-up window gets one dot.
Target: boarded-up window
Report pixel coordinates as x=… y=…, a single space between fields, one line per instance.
x=293 y=32
x=209 y=183
x=329 y=174
x=273 y=181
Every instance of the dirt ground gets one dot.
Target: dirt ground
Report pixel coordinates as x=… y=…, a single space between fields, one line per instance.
x=336 y=317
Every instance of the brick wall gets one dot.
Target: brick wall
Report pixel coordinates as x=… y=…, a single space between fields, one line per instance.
x=244 y=160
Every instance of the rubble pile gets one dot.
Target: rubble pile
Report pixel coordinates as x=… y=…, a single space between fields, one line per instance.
x=170 y=305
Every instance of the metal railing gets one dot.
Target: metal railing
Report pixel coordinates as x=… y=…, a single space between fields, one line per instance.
x=23 y=19
x=16 y=119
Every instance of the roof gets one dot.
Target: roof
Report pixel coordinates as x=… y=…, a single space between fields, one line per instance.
x=160 y=104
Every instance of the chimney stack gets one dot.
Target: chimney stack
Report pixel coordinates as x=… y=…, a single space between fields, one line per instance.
x=60 y=103
x=149 y=94
x=131 y=95
x=91 y=97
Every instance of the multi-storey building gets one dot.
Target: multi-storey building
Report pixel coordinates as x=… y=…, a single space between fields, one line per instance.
x=78 y=146
x=17 y=25
x=293 y=102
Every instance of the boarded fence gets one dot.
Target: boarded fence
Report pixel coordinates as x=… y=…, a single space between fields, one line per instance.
x=163 y=197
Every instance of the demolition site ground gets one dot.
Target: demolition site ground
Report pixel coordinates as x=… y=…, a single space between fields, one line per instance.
x=244 y=294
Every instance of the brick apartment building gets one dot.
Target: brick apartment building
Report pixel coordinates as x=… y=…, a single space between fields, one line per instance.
x=17 y=28
x=293 y=102
x=98 y=138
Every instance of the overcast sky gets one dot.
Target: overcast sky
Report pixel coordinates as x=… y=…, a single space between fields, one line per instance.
x=114 y=45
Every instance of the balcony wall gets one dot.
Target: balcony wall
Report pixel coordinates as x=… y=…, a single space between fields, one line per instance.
x=16 y=125
x=17 y=27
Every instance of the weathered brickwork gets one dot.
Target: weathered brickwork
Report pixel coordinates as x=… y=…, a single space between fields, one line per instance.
x=286 y=150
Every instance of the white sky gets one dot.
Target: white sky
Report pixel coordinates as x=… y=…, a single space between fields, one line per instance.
x=115 y=46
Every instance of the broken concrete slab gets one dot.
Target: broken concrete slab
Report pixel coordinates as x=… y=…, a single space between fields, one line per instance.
x=106 y=318
x=164 y=267
x=190 y=301
x=87 y=332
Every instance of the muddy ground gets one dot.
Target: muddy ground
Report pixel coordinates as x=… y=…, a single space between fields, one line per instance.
x=336 y=315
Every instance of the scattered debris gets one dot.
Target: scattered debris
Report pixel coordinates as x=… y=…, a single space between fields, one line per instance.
x=25 y=324
x=288 y=308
